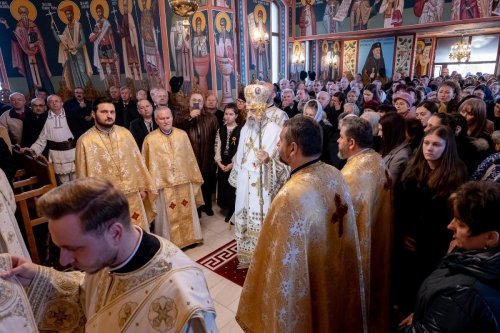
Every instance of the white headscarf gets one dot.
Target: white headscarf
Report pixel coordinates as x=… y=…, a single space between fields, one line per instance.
x=319 y=114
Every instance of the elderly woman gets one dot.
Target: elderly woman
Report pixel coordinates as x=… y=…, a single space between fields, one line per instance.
x=463 y=294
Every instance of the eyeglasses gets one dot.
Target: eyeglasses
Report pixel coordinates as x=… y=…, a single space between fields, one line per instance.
x=38 y=105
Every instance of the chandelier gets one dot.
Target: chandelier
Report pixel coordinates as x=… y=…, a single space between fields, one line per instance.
x=184 y=8
x=460 y=50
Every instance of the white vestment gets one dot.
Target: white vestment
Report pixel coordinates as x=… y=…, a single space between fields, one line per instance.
x=11 y=240
x=246 y=177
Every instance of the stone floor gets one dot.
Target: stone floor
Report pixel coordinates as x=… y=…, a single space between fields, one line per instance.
x=225 y=293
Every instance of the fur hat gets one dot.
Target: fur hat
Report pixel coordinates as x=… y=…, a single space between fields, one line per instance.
x=404 y=96
x=176 y=83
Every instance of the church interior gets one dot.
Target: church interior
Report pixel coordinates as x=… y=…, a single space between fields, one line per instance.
x=134 y=50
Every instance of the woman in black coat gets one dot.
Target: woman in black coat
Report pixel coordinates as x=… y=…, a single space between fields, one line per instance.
x=463 y=294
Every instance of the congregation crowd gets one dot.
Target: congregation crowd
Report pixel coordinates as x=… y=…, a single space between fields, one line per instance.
x=417 y=180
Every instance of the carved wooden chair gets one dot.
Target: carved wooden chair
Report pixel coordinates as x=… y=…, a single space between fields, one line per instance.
x=36 y=178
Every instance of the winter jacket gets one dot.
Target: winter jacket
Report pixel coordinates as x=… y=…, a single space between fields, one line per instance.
x=462 y=295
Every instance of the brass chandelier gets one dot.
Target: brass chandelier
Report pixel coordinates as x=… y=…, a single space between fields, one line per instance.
x=460 y=50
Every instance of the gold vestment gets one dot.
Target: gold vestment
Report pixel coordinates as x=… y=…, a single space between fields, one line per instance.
x=175 y=172
x=370 y=188
x=305 y=275
x=115 y=156
x=165 y=295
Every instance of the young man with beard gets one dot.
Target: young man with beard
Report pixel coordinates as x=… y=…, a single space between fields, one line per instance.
x=133 y=281
x=110 y=152
x=310 y=221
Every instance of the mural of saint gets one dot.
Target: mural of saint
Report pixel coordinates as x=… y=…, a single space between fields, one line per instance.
x=73 y=54
x=130 y=42
x=307 y=21
x=470 y=9
x=325 y=61
x=331 y=25
x=221 y=3
x=201 y=56
x=28 y=48
x=429 y=11
x=105 y=56
x=152 y=59
x=374 y=62
x=224 y=55
x=422 y=57
x=260 y=49
x=180 y=46
x=361 y=12
x=393 y=12
x=297 y=60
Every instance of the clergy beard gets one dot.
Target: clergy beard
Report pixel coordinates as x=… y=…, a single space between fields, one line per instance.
x=105 y=124
x=251 y=122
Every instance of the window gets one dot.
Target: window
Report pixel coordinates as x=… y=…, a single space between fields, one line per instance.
x=483 y=55
x=275 y=42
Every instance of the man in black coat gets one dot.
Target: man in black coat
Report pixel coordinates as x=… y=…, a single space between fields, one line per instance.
x=144 y=125
x=81 y=106
x=126 y=109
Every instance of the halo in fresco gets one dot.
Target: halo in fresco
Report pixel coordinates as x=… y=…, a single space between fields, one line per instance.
x=218 y=18
x=14 y=9
x=325 y=47
x=148 y=5
x=260 y=8
x=305 y=2
x=196 y=16
x=122 y=10
x=105 y=7
x=62 y=16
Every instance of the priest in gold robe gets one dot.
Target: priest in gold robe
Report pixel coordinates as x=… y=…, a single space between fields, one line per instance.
x=172 y=164
x=134 y=281
x=370 y=187
x=110 y=151
x=306 y=274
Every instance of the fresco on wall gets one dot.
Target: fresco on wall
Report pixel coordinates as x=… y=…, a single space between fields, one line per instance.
x=92 y=44
x=350 y=57
x=428 y=11
x=181 y=62
x=375 y=57
x=316 y=17
x=222 y=3
x=423 y=55
x=329 y=60
x=224 y=55
x=404 y=51
x=259 y=28
x=201 y=52
x=297 y=59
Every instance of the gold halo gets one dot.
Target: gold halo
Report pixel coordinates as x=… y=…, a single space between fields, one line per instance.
x=148 y=4
x=295 y=44
x=14 y=8
x=325 y=47
x=122 y=10
x=311 y=2
x=202 y=18
x=93 y=10
x=76 y=11
x=260 y=8
x=218 y=18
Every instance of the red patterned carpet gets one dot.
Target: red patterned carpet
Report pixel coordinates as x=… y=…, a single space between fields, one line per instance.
x=224 y=262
